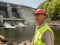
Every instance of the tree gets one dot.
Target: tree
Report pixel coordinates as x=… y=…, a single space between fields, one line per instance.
x=52 y=8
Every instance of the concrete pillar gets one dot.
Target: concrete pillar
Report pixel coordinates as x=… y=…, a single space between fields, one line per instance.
x=19 y=11
x=1 y=20
x=9 y=10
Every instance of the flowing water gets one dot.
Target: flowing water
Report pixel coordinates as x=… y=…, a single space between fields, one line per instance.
x=26 y=33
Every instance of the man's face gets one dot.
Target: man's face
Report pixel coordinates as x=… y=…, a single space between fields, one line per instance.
x=39 y=18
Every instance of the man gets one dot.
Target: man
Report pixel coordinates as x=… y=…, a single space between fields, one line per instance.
x=43 y=35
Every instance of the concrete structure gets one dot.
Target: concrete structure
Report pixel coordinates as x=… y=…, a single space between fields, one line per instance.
x=16 y=12
x=12 y=15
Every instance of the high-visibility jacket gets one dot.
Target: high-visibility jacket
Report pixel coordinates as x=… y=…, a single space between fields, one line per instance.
x=39 y=33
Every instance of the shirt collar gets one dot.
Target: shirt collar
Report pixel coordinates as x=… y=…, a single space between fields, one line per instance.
x=37 y=27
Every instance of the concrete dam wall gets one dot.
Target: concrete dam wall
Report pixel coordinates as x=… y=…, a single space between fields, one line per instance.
x=11 y=15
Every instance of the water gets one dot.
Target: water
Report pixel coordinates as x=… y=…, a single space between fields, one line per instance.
x=18 y=35
x=56 y=35
x=26 y=33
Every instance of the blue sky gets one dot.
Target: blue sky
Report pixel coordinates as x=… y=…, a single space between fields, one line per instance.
x=30 y=3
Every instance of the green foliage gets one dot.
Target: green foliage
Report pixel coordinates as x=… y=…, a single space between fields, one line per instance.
x=52 y=8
